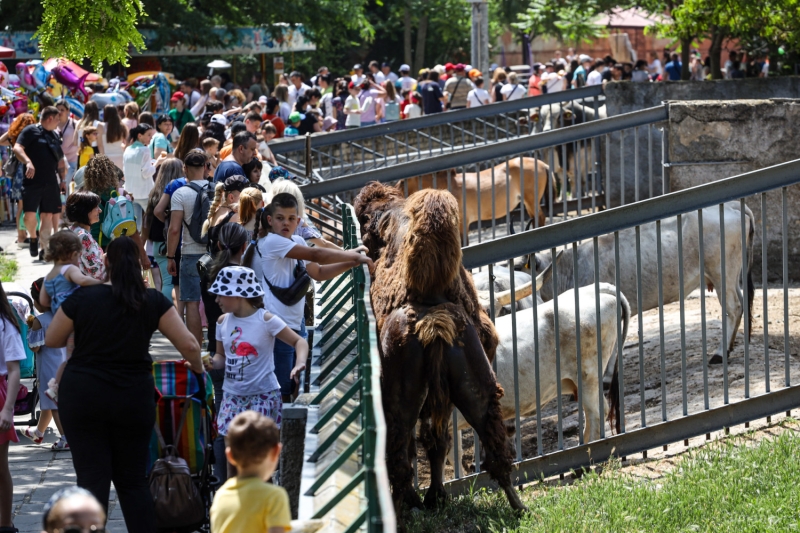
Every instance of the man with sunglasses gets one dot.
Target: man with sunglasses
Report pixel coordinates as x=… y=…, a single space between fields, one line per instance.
x=245 y=147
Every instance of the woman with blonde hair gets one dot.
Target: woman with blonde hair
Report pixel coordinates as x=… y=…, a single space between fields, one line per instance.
x=224 y=205
x=131 y=119
x=18 y=179
x=282 y=94
x=250 y=201
x=498 y=80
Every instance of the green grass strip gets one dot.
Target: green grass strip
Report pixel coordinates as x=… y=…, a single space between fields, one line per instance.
x=8 y=268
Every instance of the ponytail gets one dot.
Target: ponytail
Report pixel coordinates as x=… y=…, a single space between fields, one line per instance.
x=232 y=237
x=261 y=220
x=140 y=129
x=125 y=273
x=219 y=192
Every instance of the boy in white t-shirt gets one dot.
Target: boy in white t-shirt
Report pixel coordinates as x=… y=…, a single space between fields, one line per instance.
x=353 y=107
x=280 y=253
x=478 y=96
x=413 y=110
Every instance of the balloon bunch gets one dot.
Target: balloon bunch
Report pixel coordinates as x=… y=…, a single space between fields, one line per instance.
x=151 y=92
x=13 y=101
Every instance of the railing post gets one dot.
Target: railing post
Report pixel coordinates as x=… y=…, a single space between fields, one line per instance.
x=308 y=155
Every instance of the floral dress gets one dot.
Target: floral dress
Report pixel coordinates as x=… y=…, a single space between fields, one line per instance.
x=91 y=259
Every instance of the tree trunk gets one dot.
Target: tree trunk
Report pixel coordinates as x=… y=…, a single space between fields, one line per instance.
x=715 y=52
x=407 y=35
x=686 y=43
x=422 y=35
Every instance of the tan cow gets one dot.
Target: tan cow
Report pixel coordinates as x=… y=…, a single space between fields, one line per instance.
x=507 y=183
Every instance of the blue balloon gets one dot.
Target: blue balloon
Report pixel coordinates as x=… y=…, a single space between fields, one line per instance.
x=75 y=107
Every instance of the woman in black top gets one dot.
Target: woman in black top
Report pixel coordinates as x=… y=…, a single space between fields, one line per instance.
x=106 y=394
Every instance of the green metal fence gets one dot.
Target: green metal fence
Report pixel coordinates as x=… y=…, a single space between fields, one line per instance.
x=351 y=422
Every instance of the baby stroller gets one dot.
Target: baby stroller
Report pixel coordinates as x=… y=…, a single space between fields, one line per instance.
x=185 y=424
x=28 y=397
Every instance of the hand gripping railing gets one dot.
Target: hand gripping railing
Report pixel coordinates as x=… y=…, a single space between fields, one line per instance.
x=348 y=321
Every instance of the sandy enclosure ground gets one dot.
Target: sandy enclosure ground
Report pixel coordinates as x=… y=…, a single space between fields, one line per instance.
x=651 y=362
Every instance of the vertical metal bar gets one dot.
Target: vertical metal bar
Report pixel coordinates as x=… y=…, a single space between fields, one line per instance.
x=701 y=244
x=745 y=299
x=764 y=288
x=560 y=424
x=600 y=369
x=508 y=199
x=660 y=262
x=723 y=302
x=636 y=161
x=607 y=192
x=785 y=250
x=641 y=332
x=578 y=192
x=622 y=166
x=522 y=192
x=552 y=179
x=464 y=206
x=494 y=214
x=457 y=445
x=517 y=423
x=681 y=296
x=664 y=161
x=478 y=193
x=620 y=340
x=579 y=368
x=535 y=307
x=650 y=158
x=537 y=204
x=594 y=173
x=564 y=176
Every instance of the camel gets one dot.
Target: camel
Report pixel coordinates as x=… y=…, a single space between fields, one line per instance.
x=507 y=182
x=434 y=339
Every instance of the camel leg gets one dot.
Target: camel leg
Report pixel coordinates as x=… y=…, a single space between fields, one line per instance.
x=476 y=393
x=436 y=441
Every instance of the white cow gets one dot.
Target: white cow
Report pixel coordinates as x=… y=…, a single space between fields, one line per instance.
x=692 y=277
x=591 y=383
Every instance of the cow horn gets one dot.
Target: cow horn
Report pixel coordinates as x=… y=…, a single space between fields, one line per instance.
x=502 y=299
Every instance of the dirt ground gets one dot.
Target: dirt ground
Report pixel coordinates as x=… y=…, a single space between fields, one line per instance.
x=696 y=392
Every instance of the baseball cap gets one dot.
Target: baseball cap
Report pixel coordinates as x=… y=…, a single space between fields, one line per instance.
x=177 y=95
x=328 y=122
x=584 y=58
x=449 y=66
x=460 y=67
x=219 y=119
x=357 y=66
x=385 y=64
x=351 y=85
x=262 y=99
x=475 y=72
x=296 y=117
x=405 y=68
x=195 y=159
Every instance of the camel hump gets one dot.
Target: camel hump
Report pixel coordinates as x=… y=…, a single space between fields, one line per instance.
x=432 y=244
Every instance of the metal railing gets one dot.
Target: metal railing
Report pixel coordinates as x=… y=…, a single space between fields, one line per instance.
x=350 y=385
x=378 y=146
x=670 y=387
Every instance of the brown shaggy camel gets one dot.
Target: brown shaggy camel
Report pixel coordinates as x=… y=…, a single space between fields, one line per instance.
x=435 y=340
x=536 y=175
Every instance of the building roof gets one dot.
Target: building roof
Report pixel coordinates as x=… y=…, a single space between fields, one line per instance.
x=628 y=18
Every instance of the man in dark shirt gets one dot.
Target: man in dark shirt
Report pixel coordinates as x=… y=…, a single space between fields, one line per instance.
x=39 y=148
x=673 y=68
x=432 y=96
x=244 y=149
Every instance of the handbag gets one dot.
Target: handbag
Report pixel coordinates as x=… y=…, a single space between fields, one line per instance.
x=10 y=166
x=204 y=266
x=295 y=292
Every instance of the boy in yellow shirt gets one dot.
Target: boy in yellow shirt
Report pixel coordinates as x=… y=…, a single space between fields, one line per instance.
x=246 y=503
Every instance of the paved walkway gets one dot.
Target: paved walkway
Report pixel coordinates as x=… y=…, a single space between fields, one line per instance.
x=37 y=471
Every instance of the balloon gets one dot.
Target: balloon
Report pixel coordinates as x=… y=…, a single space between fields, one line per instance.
x=75 y=107
x=25 y=78
x=40 y=76
x=104 y=99
x=66 y=77
x=20 y=106
x=3 y=75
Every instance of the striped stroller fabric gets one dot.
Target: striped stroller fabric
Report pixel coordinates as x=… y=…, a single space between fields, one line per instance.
x=175 y=385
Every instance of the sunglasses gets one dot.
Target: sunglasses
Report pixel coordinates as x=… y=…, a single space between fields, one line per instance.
x=79 y=529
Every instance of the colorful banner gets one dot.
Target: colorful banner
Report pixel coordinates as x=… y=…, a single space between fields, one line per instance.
x=243 y=41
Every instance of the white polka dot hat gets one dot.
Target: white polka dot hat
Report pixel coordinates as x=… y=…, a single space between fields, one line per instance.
x=237 y=281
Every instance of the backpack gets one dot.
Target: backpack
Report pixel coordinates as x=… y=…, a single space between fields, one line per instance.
x=202 y=204
x=392 y=111
x=177 y=500
x=118 y=217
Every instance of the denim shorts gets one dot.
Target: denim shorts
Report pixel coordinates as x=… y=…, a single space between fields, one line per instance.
x=190 y=278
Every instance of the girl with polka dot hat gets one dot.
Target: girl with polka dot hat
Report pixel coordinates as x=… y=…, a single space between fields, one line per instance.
x=246 y=335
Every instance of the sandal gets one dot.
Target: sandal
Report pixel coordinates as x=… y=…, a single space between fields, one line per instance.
x=60 y=445
x=31 y=434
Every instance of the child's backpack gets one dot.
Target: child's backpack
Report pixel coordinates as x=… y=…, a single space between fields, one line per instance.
x=392 y=110
x=118 y=217
x=202 y=204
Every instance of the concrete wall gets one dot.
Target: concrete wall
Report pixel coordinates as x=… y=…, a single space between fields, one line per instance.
x=714 y=140
x=624 y=97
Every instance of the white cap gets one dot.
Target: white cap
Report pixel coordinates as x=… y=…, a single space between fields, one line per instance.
x=219 y=119
x=468 y=67
x=584 y=57
x=405 y=68
x=262 y=98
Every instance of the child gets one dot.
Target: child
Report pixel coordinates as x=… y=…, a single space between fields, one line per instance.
x=85 y=150
x=246 y=502
x=73 y=509
x=353 y=107
x=413 y=110
x=11 y=353
x=47 y=362
x=211 y=148
x=64 y=249
x=405 y=103
x=245 y=342
x=268 y=132
x=283 y=256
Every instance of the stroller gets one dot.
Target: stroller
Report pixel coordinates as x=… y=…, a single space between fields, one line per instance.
x=27 y=398
x=188 y=428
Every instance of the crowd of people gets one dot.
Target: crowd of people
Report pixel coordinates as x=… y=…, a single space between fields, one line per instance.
x=217 y=255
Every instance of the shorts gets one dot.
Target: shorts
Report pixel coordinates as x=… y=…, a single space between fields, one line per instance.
x=42 y=199
x=10 y=435
x=269 y=404
x=190 y=278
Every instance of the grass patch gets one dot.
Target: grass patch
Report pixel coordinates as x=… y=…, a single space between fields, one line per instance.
x=723 y=487
x=8 y=268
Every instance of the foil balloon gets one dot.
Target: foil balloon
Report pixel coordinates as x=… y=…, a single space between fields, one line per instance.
x=75 y=107
x=113 y=98
x=66 y=77
x=20 y=106
x=3 y=75
x=26 y=80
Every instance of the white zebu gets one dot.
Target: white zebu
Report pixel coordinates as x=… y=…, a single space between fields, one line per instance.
x=692 y=277
x=594 y=414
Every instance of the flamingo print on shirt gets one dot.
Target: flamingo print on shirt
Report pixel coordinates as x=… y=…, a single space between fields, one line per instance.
x=242 y=349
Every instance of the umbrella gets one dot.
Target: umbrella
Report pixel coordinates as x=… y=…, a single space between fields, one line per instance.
x=218 y=63
x=7 y=53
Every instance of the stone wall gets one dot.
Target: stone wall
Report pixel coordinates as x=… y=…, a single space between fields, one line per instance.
x=712 y=140
x=624 y=97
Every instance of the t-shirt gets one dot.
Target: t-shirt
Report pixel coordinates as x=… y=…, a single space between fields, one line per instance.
x=352 y=104
x=256 y=90
x=174 y=185
x=248 y=504
x=248 y=345
x=11 y=344
x=159 y=141
x=407 y=83
x=183 y=200
x=431 y=94
x=44 y=150
x=294 y=92
x=413 y=111
x=673 y=69
x=478 y=97
x=595 y=77
x=368 y=101
x=512 y=92
x=655 y=67
x=325 y=104
x=554 y=82
x=279 y=270
x=457 y=89
x=226 y=169
x=112 y=342
x=277 y=122
x=307 y=124
x=181 y=118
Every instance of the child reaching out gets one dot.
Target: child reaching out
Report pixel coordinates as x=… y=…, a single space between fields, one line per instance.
x=64 y=249
x=245 y=342
x=48 y=360
x=246 y=502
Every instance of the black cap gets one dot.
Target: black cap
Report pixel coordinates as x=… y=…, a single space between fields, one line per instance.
x=195 y=158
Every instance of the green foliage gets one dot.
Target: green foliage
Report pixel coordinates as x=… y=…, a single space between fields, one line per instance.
x=101 y=30
x=8 y=268
x=569 y=22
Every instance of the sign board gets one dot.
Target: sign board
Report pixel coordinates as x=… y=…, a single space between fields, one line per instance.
x=277 y=66
x=252 y=40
